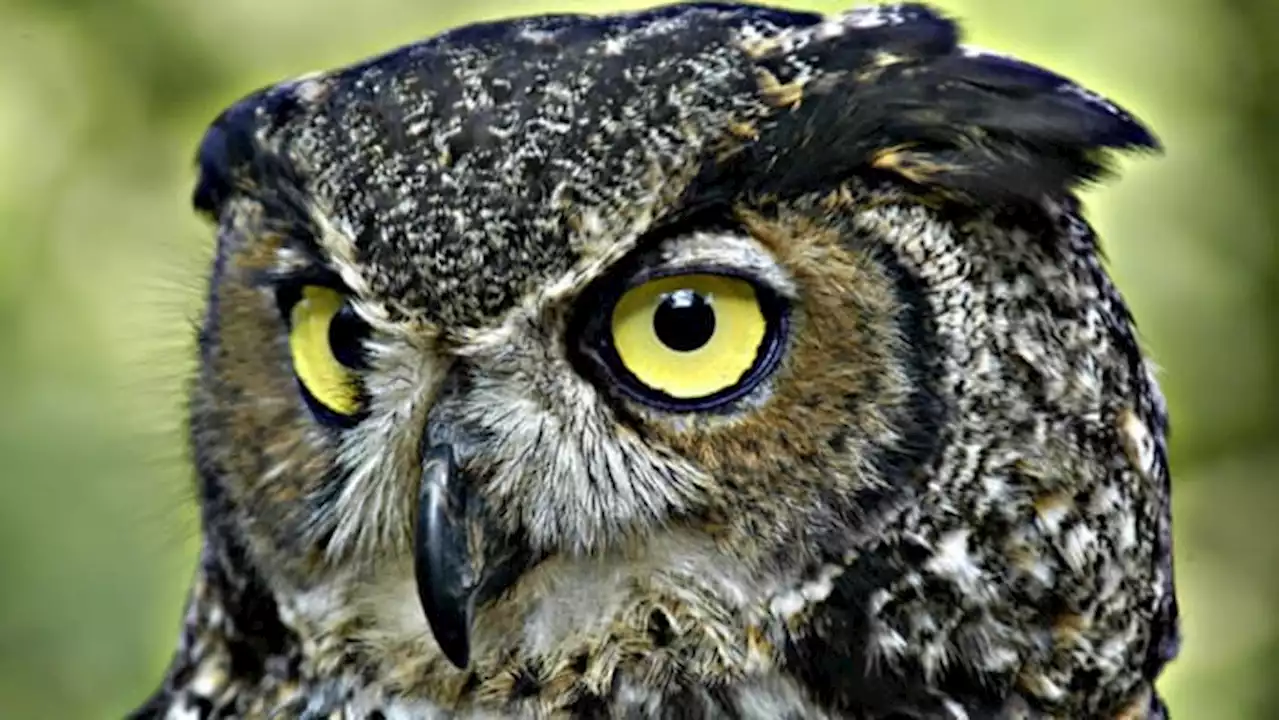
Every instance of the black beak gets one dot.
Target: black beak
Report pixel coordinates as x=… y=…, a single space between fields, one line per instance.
x=441 y=559
x=454 y=573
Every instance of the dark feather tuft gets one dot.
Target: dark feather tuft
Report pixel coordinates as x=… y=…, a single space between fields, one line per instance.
x=891 y=89
x=229 y=157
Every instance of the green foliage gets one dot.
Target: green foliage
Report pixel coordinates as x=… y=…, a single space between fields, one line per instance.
x=101 y=106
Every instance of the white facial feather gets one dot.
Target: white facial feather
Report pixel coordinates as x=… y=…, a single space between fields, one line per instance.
x=374 y=509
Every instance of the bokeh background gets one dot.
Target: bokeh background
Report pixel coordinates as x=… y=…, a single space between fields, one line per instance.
x=102 y=104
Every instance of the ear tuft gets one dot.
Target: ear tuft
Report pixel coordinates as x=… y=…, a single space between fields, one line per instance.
x=891 y=89
x=230 y=153
x=226 y=146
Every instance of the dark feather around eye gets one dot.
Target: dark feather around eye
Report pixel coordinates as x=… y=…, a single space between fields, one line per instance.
x=593 y=353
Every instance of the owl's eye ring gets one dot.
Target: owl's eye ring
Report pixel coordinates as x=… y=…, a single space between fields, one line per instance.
x=326 y=346
x=693 y=340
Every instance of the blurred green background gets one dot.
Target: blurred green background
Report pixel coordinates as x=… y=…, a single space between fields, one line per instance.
x=102 y=104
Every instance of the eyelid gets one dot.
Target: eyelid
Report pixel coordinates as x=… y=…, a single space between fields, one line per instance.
x=288 y=286
x=297 y=267
x=722 y=253
x=316 y=275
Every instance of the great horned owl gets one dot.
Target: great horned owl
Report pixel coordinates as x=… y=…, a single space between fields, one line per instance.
x=711 y=361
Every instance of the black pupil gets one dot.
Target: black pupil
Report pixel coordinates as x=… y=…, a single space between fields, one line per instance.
x=684 y=321
x=346 y=338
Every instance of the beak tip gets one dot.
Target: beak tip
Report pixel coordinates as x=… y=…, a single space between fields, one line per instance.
x=456 y=648
x=449 y=620
x=441 y=560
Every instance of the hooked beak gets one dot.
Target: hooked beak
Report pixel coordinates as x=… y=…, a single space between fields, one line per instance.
x=453 y=574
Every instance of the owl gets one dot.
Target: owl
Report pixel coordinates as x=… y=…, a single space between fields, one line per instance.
x=709 y=361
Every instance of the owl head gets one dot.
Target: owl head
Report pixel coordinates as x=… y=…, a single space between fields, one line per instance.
x=577 y=348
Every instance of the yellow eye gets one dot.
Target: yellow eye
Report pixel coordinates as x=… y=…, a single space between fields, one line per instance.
x=691 y=336
x=325 y=342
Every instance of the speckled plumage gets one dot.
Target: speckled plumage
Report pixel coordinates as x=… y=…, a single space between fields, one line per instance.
x=950 y=499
